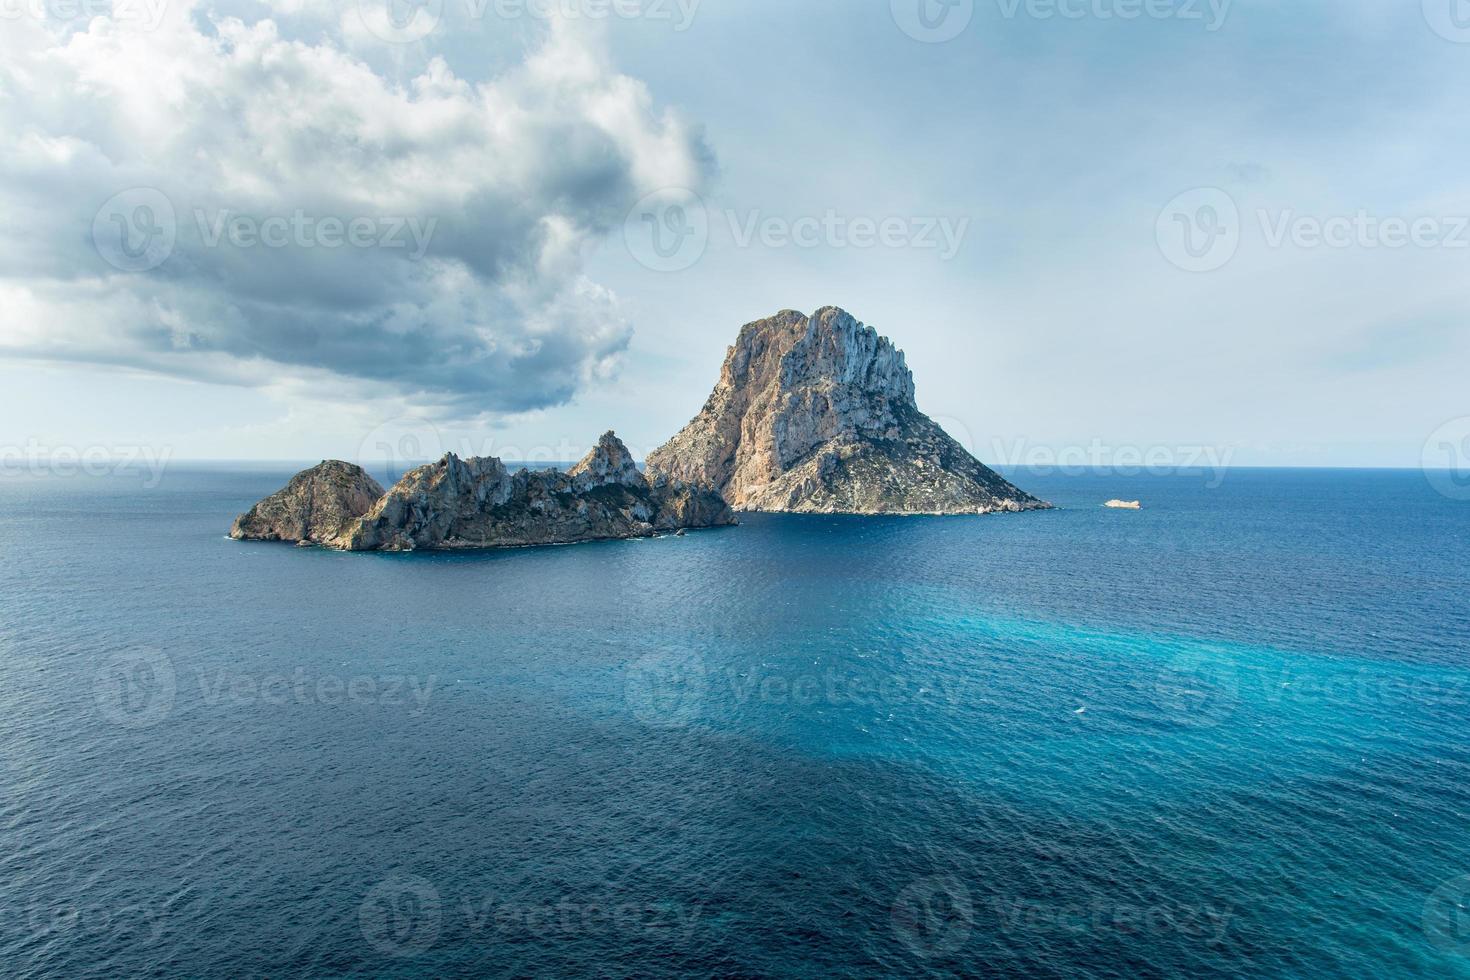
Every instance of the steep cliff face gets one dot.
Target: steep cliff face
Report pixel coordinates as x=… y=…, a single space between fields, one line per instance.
x=817 y=415
x=477 y=503
x=316 y=506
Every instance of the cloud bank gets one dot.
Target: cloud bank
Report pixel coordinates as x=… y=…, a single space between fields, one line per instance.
x=205 y=198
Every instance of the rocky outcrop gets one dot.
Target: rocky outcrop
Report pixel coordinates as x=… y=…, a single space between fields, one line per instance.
x=315 y=507
x=817 y=415
x=477 y=503
x=682 y=505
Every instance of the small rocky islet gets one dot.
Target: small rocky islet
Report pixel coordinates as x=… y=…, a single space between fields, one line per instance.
x=810 y=415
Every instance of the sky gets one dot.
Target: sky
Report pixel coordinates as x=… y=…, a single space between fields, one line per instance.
x=292 y=230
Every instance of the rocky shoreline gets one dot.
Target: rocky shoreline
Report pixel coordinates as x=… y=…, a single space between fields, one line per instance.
x=466 y=504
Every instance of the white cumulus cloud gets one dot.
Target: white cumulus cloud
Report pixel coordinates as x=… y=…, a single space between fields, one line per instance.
x=209 y=197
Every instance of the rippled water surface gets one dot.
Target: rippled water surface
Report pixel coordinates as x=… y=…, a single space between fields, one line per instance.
x=1226 y=735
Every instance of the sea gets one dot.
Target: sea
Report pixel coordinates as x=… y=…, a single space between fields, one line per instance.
x=1226 y=735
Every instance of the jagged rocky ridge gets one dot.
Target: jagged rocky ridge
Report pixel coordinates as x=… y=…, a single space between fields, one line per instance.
x=477 y=503
x=817 y=415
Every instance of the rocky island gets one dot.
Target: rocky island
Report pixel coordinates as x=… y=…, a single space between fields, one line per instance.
x=316 y=507
x=478 y=503
x=811 y=415
x=817 y=415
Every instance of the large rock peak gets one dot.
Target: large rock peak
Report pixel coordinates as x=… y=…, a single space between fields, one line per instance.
x=831 y=347
x=818 y=414
x=835 y=348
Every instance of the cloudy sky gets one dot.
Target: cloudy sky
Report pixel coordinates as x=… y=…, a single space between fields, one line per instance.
x=293 y=229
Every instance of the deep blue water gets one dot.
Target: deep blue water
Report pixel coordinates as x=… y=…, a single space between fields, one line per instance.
x=1226 y=735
